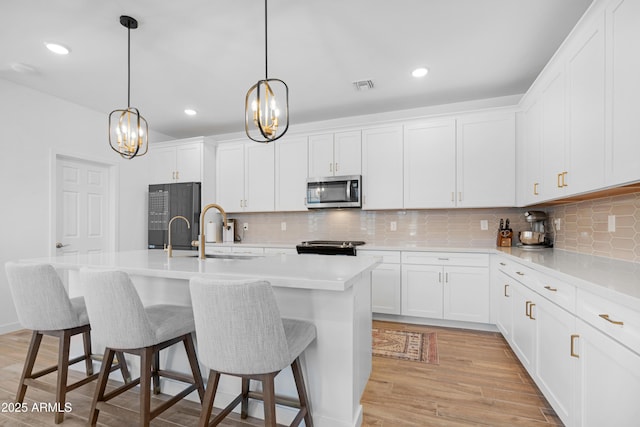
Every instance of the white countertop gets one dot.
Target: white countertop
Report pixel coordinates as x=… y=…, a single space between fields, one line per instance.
x=320 y=272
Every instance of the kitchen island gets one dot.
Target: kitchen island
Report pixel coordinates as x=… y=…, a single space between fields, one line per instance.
x=332 y=292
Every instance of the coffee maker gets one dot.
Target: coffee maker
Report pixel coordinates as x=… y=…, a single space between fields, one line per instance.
x=537 y=236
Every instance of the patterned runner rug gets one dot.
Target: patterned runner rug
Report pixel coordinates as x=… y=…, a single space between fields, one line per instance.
x=405 y=345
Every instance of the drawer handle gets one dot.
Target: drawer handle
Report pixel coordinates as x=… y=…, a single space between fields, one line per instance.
x=506 y=286
x=519 y=273
x=531 y=311
x=549 y=288
x=502 y=264
x=443 y=259
x=573 y=346
x=526 y=309
x=615 y=322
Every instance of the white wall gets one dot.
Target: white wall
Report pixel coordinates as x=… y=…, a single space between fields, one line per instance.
x=33 y=127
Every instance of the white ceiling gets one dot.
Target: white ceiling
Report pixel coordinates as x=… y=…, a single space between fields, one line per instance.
x=205 y=54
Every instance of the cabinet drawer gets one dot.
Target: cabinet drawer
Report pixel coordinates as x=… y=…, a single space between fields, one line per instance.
x=521 y=273
x=445 y=258
x=388 y=257
x=557 y=291
x=615 y=320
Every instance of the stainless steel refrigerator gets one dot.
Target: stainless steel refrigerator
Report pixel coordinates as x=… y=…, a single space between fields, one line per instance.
x=167 y=201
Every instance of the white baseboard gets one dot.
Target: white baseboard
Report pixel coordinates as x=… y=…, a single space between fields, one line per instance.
x=10 y=327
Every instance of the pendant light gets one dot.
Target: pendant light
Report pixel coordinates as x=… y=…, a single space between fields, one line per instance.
x=266 y=105
x=128 y=130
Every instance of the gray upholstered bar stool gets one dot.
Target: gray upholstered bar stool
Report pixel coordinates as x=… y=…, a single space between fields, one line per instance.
x=42 y=305
x=122 y=323
x=240 y=332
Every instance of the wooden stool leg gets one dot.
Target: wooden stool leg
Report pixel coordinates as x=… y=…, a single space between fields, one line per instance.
x=154 y=370
x=122 y=362
x=147 y=359
x=195 y=367
x=86 y=339
x=268 y=390
x=244 y=408
x=98 y=396
x=209 y=396
x=302 y=391
x=63 y=370
x=34 y=346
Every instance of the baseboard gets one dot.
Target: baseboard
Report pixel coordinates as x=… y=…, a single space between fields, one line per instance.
x=10 y=327
x=435 y=322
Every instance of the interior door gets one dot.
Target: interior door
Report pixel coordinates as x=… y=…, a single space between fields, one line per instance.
x=82 y=207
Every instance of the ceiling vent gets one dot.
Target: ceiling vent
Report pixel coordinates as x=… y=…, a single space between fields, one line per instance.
x=363 y=84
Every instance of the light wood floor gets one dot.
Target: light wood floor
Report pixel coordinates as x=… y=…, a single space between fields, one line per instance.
x=478 y=382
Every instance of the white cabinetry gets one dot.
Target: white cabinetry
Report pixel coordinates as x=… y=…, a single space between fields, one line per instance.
x=446 y=286
x=176 y=161
x=385 y=282
x=291 y=174
x=245 y=177
x=335 y=154
x=429 y=164
x=623 y=87
x=530 y=159
x=486 y=156
x=382 y=168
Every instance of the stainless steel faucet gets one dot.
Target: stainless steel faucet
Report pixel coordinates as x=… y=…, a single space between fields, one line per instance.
x=202 y=236
x=169 y=249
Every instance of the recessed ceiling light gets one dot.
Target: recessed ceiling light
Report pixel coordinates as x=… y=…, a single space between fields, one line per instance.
x=57 y=48
x=419 y=72
x=190 y=112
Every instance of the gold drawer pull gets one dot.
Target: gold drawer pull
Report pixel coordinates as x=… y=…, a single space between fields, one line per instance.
x=615 y=322
x=505 y=290
x=527 y=313
x=531 y=311
x=573 y=344
x=502 y=264
x=519 y=273
x=549 y=288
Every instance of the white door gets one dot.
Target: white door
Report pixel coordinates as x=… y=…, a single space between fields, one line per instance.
x=466 y=294
x=347 y=149
x=82 y=207
x=321 y=155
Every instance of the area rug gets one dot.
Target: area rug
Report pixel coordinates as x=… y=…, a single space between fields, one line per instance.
x=405 y=345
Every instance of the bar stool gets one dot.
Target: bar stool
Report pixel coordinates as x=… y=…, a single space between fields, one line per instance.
x=122 y=323
x=240 y=332
x=42 y=305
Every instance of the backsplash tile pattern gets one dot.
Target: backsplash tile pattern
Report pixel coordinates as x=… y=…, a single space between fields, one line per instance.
x=584 y=227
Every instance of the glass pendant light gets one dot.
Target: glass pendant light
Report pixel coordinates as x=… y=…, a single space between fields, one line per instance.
x=266 y=105
x=128 y=130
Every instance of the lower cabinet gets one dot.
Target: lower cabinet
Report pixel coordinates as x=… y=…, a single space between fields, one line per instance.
x=385 y=282
x=434 y=285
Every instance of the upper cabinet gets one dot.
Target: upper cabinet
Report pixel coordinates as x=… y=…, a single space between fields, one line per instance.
x=245 y=177
x=623 y=89
x=382 y=174
x=291 y=173
x=176 y=161
x=335 y=154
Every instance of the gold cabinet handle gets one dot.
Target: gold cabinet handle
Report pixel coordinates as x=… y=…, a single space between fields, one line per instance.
x=531 y=311
x=446 y=277
x=559 y=183
x=564 y=179
x=459 y=196
x=331 y=167
x=527 y=308
x=440 y=277
x=535 y=189
x=177 y=174
x=615 y=322
x=549 y=288
x=573 y=346
x=453 y=197
x=519 y=273
x=506 y=286
x=336 y=166
x=502 y=264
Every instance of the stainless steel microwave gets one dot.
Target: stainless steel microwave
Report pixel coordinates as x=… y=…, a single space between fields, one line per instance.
x=334 y=192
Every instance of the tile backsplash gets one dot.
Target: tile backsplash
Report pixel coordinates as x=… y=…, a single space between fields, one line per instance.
x=583 y=226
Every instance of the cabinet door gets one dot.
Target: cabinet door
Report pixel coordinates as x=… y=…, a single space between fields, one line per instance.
x=188 y=163
x=531 y=155
x=230 y=177
x=422 y=291
x=504 y=315
x=556 y=369
x=523 y=332
x=609 y=381
x=162 y=169
x=585 y=96
x=466 y=294
x=321 y=155
x=486 y=146
x=382 y=173
x=623 y=152
x=430 y=164
x=385 y=289
x=259 y=177
x=347 y=153
x=291 y=174
x=552 y=100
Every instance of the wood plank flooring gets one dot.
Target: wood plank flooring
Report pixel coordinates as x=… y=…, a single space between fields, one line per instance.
x=478 y=382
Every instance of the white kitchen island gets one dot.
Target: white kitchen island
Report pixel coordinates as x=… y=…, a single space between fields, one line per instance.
x=333 y=292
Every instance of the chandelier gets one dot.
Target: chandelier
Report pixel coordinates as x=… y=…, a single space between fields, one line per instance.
x=263 y=115
x=128 y=130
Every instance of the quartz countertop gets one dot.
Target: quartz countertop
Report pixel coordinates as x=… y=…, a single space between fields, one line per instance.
x=320 y=272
